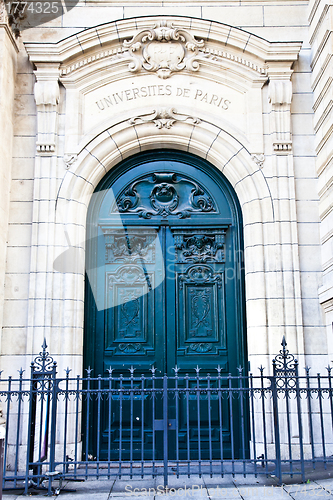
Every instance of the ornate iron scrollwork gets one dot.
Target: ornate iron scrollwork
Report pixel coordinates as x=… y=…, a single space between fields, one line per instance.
x=285 y=368
x=163 y=194
x=43 y=363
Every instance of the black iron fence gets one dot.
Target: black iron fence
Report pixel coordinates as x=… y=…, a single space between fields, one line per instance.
x=145 y=425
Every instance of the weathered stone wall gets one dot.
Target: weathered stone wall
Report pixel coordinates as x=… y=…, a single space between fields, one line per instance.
x=321 y=33
x=8 y=54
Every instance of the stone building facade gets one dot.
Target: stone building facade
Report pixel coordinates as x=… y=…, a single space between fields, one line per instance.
x=246 y=86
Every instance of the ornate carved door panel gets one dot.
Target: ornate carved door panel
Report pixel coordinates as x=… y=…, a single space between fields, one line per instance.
x=168 y=282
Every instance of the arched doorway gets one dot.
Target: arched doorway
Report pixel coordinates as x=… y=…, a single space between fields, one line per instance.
x=165 y=279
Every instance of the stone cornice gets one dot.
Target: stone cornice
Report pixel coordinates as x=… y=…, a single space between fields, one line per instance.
x=108 y=40
x=10 y=35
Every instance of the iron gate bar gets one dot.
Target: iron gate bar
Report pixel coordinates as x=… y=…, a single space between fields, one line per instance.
x=263 y=412
x=307 y=371
x=220 y=418
x=300 y=428
x=185 y=408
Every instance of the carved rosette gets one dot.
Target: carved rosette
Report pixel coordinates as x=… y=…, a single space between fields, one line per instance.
x=164 y=118
x=164 y=49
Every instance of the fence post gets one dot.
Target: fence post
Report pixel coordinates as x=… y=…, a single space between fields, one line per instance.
x=54 y=397
x=2 y=451
x=165 y=429
x=299 y=417
x=31 y=428
x=278 y=470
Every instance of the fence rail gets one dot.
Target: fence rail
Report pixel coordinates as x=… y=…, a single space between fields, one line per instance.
x=145 y=425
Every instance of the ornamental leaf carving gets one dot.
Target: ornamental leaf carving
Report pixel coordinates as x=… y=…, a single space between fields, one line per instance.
x=163 y=49
x=200 y=306
x=164 y=194
x=164 y=118
x=129 y=310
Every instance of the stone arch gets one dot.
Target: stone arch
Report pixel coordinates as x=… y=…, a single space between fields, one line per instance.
x=214 y=144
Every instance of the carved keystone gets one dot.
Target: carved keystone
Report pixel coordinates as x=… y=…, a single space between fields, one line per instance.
x=163 y=49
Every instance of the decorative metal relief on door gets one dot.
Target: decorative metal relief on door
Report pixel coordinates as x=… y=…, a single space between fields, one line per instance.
x=128 y=309
x=130 y=245
x=199 y=245
x=201 y=318
x=164 y=194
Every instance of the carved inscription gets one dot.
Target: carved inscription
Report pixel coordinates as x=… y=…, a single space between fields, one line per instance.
x=148 y=91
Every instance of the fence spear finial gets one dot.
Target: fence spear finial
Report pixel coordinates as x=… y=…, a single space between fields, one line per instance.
x=284 y=343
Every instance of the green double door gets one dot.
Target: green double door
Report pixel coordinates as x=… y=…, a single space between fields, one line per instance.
x=164 y=290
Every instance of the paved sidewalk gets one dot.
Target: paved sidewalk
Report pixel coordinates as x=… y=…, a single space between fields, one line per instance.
x=319 y=485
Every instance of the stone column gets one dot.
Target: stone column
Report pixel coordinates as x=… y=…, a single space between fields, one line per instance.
x=286 y=313
x=8 y=55
x=41 y=317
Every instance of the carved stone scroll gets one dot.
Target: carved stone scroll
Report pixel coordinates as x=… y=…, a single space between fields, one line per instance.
x=69 y=160
x=280 y=94
x=163 y=49
x=258 y=159
x=47 y=98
